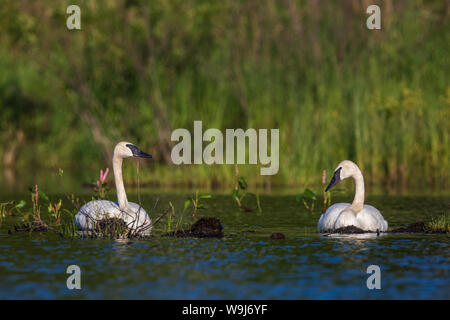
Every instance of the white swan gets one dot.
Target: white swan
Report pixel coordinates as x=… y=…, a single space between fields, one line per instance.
x=135 y=217
x=356 y=214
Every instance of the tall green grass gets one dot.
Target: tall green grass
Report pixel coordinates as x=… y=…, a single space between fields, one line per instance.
x=136 y=71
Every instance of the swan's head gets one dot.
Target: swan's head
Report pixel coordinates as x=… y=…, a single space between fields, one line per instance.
x=127 y=150
x=344 y=170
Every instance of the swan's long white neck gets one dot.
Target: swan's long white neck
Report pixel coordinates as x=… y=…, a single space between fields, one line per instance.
x=358 y=201
x=120 y=189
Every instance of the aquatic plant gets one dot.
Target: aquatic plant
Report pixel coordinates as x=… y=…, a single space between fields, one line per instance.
x=326 y=195
x=57 y=218
x=33 y=221
x=304 y=196
x=101 y=187
x=8 y=208
x=241 y=190
x=35 y=214
x=439 y=223
x=195 y=200
x=174 y=223
x=54 y=209
x=60 y=219
x=67 y=226
x=170 y=217
x=309 y=195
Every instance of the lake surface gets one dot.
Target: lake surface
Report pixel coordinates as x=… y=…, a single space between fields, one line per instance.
x=245 y=264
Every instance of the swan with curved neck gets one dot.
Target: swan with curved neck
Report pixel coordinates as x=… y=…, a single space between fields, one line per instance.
x=356 y=214
x=133 y=214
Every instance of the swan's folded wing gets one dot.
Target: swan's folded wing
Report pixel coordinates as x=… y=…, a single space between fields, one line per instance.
x=96 y=210
x=371 y=219
x=327 y=220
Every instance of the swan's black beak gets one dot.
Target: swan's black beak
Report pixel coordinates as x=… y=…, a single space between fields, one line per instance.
x=336 y=178
x=138 y=152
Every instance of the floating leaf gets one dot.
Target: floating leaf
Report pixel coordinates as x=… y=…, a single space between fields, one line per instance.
x=206 y=196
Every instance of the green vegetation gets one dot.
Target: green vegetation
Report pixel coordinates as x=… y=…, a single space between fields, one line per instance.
x=195 y=200
x=174 y=223
x=304 y=196
x=57 y=219
x=138 y=69
x=311 y=195
x=60 y=220
x=440 y=223
x=11 y=208
x=241 y=190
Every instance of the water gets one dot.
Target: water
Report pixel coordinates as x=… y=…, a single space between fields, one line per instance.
x=246 y=264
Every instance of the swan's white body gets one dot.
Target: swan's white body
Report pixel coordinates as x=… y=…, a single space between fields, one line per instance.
x=369 y=218
x=134 y=216
x=356 y=214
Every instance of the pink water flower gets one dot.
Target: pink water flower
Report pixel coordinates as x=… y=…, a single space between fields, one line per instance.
x=324 y=174
x=103 y=176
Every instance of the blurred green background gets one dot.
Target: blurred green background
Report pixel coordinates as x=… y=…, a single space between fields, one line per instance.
x=140 y=69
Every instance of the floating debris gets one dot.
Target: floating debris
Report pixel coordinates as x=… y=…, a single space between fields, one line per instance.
x=277 y=235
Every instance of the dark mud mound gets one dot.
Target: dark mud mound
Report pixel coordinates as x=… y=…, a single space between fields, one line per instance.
x=35 y=226
x=111 y=228
x=417 y=227
x=350 y=230
x=202 y=228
